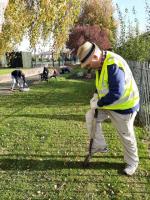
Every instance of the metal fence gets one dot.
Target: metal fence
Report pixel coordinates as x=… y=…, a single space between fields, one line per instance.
x=141 y=73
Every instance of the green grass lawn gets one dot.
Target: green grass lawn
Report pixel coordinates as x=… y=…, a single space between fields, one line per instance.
x=43 y=143
x=7 y=70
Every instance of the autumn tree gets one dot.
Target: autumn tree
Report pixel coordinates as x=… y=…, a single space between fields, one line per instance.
x=94 y=33
x=38 y=19
x=95 y=23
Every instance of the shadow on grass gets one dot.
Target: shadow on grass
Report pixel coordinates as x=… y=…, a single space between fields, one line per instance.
x=53 y=164
x=48 y=116
x=49 y=157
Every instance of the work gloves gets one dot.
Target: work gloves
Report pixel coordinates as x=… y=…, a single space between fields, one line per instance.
x=93 y=101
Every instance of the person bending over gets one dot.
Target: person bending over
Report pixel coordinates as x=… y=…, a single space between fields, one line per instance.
x=18 y=78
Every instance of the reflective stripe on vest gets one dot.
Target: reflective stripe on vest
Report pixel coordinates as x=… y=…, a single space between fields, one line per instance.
x=130 y=97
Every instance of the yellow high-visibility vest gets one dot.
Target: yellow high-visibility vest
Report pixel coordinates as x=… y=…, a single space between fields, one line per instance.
x=130 y=96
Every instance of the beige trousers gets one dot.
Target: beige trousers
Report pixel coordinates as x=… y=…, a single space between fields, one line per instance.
x=124 y=126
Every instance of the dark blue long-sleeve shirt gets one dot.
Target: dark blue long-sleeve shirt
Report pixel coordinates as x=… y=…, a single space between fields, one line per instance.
x=116 y=82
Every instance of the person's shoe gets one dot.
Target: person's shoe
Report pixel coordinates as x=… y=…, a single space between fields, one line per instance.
x=101 y=150
x=130 y=169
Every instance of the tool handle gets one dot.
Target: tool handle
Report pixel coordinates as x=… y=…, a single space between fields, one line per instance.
x=96 y=113
x=90 y=145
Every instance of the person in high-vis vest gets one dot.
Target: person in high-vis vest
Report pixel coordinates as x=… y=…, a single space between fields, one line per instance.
x=116 y=97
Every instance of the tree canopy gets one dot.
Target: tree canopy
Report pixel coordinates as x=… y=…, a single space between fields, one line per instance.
x=83 y=33
x=131 y=44
x=38 y=19
x=98 y=12
x=96 y=23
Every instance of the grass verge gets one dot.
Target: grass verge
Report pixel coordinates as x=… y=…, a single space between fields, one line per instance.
x=43 y=143
x=5 y=71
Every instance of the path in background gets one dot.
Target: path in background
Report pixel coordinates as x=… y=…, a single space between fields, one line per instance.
x=5 y=87
x=32 y=76
x=28 y=73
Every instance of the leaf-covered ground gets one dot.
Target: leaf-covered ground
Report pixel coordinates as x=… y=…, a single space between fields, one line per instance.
x=43 y=141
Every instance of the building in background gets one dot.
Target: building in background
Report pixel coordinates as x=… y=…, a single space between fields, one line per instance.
x=16 y=60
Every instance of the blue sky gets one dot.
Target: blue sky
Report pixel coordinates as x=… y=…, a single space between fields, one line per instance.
x=139 y=7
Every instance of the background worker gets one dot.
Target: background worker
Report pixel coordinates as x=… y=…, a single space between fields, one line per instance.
x=18 y=78
x=117 y=98
x=44 y=75
x=54 y=74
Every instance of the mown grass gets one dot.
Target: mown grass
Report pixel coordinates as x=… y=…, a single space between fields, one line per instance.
x=4 y=71
x=43 y=144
